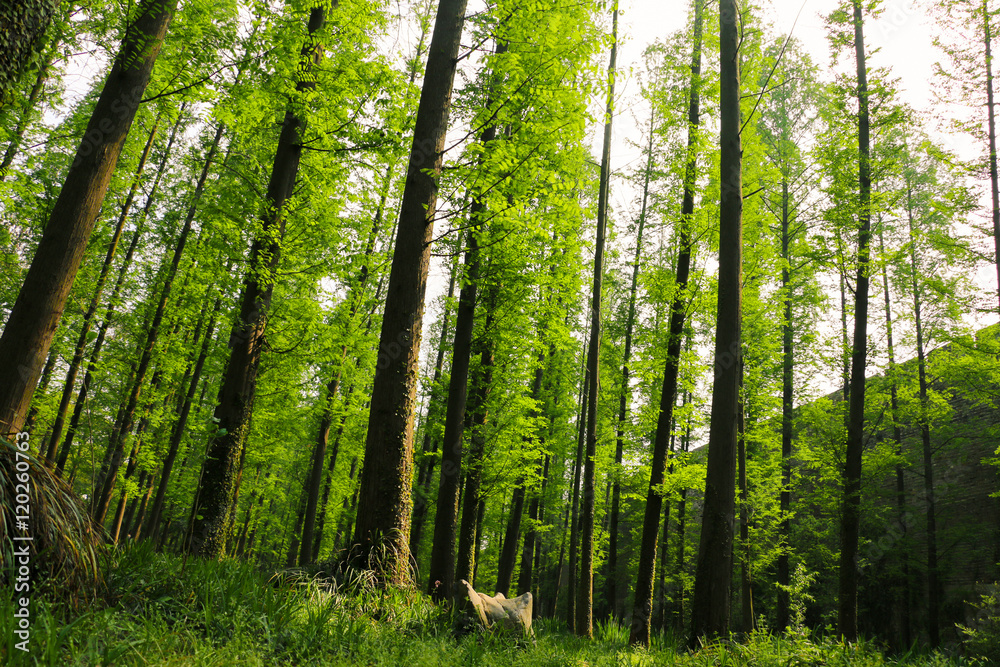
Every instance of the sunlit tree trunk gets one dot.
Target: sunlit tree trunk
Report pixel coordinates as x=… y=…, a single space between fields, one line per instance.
x=384 y=504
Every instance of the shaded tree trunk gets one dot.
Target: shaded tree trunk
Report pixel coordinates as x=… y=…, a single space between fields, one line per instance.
x=220 y=481
x=710 y=605
x=585 y=590
x=35 y=315
x=847 y=603
x=642 y=612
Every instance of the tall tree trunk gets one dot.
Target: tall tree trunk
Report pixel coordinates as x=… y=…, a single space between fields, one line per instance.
x=442 y=573
x=787 y=411
x=88 y=376
x=177 y=431
x=585 y=588
x=153 y=334
x=847 y=612
x=221 y=476
x=746 y=560
x=904 y=601
x=35 y=315
x=933 y=586
x=574 y=527
x=623 y=399
x=642 y=612
x=710 y=606
x=992 y=136
x=508 y=555
x=95 y=300
x=468 y=545
x=425 y=473
x=384 y=504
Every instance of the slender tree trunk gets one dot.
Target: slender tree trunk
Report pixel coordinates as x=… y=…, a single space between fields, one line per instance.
x=146 y=355
x=642 y=612
x=177 y=432
x=35 y=315
x=992 y=130
x=847 y=612
x=442 y=580
x=787 y=411
x=710 y=606
x=88 y=376
x=426 y=470
x=220 y=481
x=384 y=505
x=574 y=527
x=585 y=589
x=933 y=586
x=904 y=602
x=623 y=400
x=95 y=300
x=508 y=555
x=746 y=560
x=468 y=545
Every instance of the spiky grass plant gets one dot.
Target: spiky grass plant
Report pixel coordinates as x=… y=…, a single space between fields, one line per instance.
x=64 y=542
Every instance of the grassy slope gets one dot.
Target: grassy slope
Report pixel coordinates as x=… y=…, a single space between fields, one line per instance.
x=164 y=611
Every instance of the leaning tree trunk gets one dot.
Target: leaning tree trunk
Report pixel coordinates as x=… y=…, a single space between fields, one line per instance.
x=508 y=554
x=384 y=504
x=847 y=611
x=710 y=606
x=146 y=355
x=441 y=582
x=95 y=353
x=39 y=306
x=585 y=587
x=642 y=613
x=218 y=494
x=95 y=302
x=468 y=543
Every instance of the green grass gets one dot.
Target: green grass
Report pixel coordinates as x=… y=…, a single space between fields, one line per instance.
x=161 y=610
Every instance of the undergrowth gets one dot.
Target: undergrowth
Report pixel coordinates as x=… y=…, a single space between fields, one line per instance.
x=164 y=610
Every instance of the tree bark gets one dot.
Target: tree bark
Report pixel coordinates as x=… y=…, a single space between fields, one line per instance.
x=39 y=306
x=642 y=612
x=787 y=411
x=992 y=137
x=471 y=499
x=219 y=492
x=384 y=505
x=933 y=586
x=95 y=354
x=904 y=602
x=95 y=300
x=623 y=399
x=847 y=611
x=710 y=606
x=585 y=588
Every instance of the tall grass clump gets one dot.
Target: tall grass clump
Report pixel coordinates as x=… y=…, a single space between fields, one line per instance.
x=64 y=543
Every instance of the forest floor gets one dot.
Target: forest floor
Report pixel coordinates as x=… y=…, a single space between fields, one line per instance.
x=163 y=610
